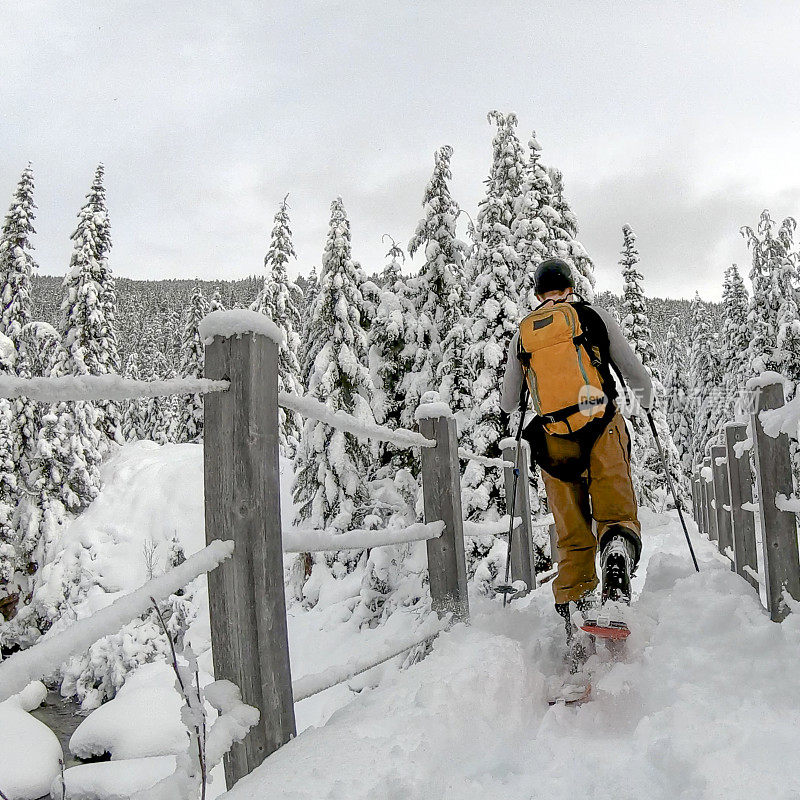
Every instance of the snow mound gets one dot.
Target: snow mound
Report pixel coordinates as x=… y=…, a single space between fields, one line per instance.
x=29 y=750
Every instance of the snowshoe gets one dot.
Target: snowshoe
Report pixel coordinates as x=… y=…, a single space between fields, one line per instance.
x=606 y=622
x=573 y=691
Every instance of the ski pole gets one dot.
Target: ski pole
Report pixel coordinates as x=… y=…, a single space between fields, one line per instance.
x=506 y=589
x=671 y=486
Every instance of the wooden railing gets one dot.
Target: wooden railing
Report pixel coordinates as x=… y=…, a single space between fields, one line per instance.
x=725 y=510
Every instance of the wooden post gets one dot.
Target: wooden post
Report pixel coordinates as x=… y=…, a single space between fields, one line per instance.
x=701 y=488
x=522 y=554
x=778 y=528
x=711 y=517
x=721 y=493
x=695 y=501
x=441 y=494
x=242 y=504
x=741 y=492
x=698 y=490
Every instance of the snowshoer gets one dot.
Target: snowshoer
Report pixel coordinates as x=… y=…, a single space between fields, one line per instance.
x=566 y=349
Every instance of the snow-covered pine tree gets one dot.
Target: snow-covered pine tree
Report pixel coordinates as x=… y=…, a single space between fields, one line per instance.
x=676 y=395
x=16 y=268
x=157 y=412
x=189 y=420
x=306 y=345
x=563 y=238
x=647 y=470
x=734 y=344
x=704 y=381
x=133 y=428
x=88 y=309
x=535 y=218
x=9 y=546
x=216 y=303
x=771 y=258
x=436 y=291
x=494 y=319
x=332 y=467
x=391 y=353
x=277 y=301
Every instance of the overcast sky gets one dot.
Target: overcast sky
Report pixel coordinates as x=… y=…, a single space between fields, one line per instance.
x=680 y=119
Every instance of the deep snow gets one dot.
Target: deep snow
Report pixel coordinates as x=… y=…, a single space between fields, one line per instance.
x=704 y=703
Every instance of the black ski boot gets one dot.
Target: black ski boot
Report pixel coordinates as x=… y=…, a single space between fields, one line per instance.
x=616 y=567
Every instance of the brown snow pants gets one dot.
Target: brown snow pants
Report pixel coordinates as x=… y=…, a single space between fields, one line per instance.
x=604 y=493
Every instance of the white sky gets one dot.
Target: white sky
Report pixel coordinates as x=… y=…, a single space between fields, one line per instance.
x=680 y=119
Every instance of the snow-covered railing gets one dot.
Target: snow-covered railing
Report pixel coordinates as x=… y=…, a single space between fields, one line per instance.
x=102 y=387
x=722 y=494
x=309 y=685
x=468 y=455
x=46 y=656
x=306 y=540
x=313 y=409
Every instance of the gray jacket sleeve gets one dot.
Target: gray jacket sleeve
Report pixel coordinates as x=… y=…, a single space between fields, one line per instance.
x=512 y=380
x=631 y=367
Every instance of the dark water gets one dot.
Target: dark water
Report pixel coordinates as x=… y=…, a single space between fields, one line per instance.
x=61 y=716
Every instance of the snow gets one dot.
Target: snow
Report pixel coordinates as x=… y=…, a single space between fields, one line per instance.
x=313 y=409
x=766 y=378
x=29 y=751
x=310 y=685
x=103 y=387
x=667 y=720
x=749 y=506
x=236 y=322
x=46 y=656
x=115 y=780
x=783 y=419
x=468 y=455
x=303 y=540
x=784 y=503
x=431 y=406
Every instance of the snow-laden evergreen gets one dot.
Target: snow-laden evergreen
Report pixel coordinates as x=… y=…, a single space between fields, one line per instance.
x=189 y=418
x=704 y=381
x=278 y=300
x=306 y=345
x=676 y=397
x=133 y=415
x=436 y=290
x=494 y=319
x=648 y=475
x=564 y=239
x=734 y=342
x=158 y=416
x=9 y=552
x=535 y=219
x=332 y=467
x=772 y=264
x=391 y=353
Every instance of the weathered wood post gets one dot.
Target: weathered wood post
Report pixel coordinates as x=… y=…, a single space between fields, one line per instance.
x=441 y=494
x=242 y=503
x=701 y=488
x=708 y=490
x=522 y=553
x=721 y=493
x=743 y=521
x=778 y=528
x=698 y=490
x=694 y=498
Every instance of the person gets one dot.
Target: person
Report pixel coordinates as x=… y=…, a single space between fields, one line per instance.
x=583 y=449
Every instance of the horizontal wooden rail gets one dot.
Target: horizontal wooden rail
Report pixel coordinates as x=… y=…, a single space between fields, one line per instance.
x=307 y=540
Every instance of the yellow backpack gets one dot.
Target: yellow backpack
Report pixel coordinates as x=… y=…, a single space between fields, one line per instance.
x=562 y=367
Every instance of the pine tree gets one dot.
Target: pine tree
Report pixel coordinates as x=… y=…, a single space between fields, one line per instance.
x=436 y=291
x=133 y=417
x=563 y=239
x=391 y=353
x=635 y=321
x=771 y=262
x=9 y=549
x=277 y=300
x=332 y=467
x=676 y=394
x=704 y=381
x=494 y=319
x=216 y=303
x=535 y=219
x=306 y=345
x=189 y=421
x=16 y=268
x=88 y=310
x=734 y=343
x=157 y=413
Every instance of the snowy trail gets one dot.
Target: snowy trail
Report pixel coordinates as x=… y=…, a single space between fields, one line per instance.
x=705 y=703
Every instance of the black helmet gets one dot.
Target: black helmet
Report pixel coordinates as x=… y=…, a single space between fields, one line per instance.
x=553 y=275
